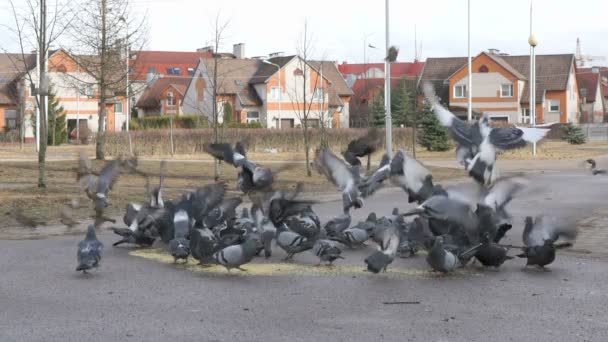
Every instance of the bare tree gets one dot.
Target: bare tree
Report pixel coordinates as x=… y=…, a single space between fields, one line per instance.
x=300 y=101
x=101 y=33
x=35 y=22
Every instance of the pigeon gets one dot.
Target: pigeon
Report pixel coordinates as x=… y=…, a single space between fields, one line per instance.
x=305 y=223
x=440 y=259
x=292 y=243
x=266 y=227
x=22 y=218
x=252 y=177
x=352 y=237
x=540 y=237
x=89 y=251
x=416 y=237
x=131 y=211
x=361 y=147
x=412 y=177
x=594 y=170
x=388 y=240
x=327 y=251
x=223 y=215
x=106 y=180
x=491 y=254
x=204 y=199
x=369 y=185
x=203 y=245
x=338 y=224
x=235 y=256
x=340 y=174
x=179 y=246
x=482 y=141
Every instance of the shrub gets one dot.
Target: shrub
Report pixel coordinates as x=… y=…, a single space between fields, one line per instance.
x=434 y=136
x=191 y=141
x=573 y=134
x=164 y=122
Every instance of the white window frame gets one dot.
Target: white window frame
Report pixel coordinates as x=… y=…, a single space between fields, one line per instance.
x=275 y=93
x=510 y=90
x=252 y=119
x=551 y=101
x=525 y=116
x=121 y=107
x=500 y=116
x=170 y=99
x=463 y=91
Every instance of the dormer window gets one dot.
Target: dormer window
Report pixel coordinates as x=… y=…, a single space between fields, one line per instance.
x=191 y=71
x=298 y=72
x=174 y=71
x=483 y=69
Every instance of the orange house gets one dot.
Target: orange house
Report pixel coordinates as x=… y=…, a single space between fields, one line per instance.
x=500 y=86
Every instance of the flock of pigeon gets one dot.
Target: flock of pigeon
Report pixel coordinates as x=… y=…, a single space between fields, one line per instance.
x=454 y=224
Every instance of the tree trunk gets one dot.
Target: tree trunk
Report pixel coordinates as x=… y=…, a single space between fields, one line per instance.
x=307 y=146
x=99 y=143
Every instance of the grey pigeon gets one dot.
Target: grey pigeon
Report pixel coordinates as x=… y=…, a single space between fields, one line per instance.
x=204 y=199
x=237 y=255
x=338 y=224
x=179 y=246
x=410 y=175
x=482 y=141
x=352 y=237
x=540 y=237
x=327 y=251
x=266 y=229
x=131 y=211
x=444 y=260
x=223 y=214
x=292 y=243
x=491 y=254
x=388 y=239
x=252 y=177
x=89 y=251
x=345 y=177
x=369 y=185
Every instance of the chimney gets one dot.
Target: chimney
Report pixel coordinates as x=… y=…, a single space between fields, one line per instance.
x=238 y=50
x=595 y=70
x=493 y=51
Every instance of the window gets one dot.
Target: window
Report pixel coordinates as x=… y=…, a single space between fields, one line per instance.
x=313 y=123
x=298 y=72
x=10 y=118
x=152 y=70
x=253 y=117
x=88 y=90
x=275 y=92
x=170 y=99
x=554 y=106
x=483 y=69
x=506 y=90
x=118 y=107
x=460 y=91
x=174 y=71
x=318 y=94
x=191 y=71
x=525 y=115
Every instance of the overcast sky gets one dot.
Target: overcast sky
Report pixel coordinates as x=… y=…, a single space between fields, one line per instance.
x=339 y=26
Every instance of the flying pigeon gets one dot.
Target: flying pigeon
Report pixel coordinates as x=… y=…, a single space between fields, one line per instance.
x=89 y=251
x=481 y=140
x=345 y=177
x=540 y=237
x=204 y=199
x=361 y=147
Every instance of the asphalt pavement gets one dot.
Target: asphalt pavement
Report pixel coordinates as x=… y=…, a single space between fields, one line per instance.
x=131 y=298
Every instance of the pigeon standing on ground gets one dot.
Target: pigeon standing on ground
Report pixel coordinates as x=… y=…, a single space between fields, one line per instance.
x=491 y=254
x=237 y=255
x=89 y=251
x=388 y=239
x=540 y=237
x=345 y=177
x=179 y=246
x=267 y=229
x=203 y=244
x=327 y=251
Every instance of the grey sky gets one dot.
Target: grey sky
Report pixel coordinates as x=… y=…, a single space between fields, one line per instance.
x=339 y=26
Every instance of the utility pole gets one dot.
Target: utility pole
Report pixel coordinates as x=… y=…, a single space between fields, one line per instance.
x=387 y=90
x=43 y=87
x=470 y=85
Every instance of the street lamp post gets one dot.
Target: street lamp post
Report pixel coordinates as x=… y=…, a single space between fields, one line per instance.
x=123 y=19
x=387 y=89
x=280 y=90
x=533 y=41
x=470 y=74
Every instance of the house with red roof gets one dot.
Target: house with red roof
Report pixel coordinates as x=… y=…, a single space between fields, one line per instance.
x=164 y=96
x=593 y=108
x=367 y=80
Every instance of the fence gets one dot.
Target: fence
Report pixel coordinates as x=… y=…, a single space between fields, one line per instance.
x=595 y=131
